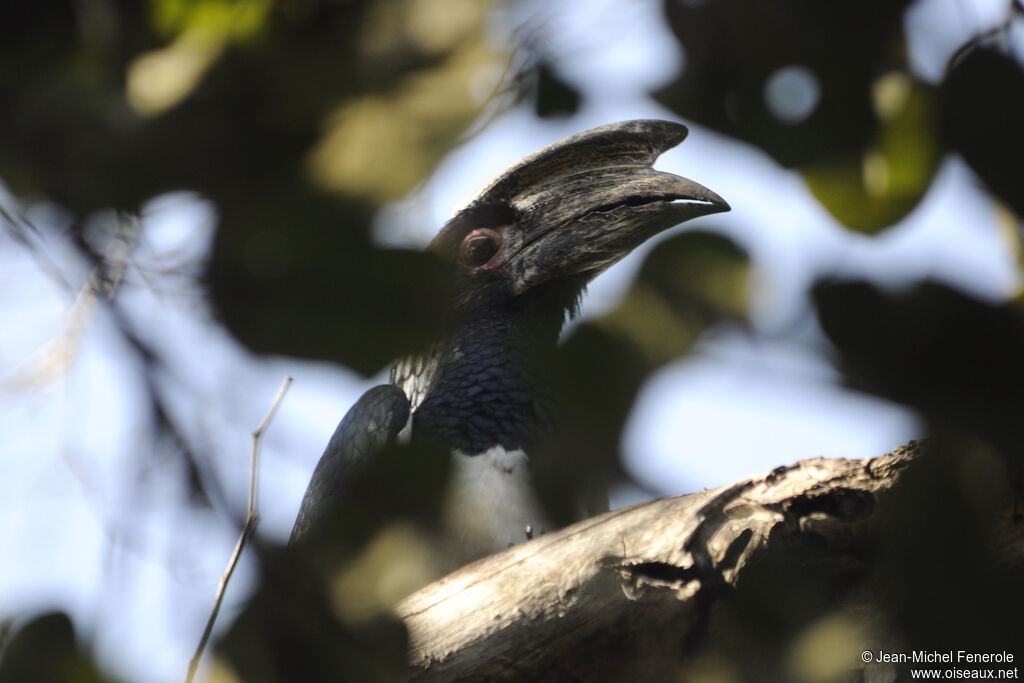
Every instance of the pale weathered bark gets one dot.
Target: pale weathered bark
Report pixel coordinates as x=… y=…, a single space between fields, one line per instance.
x=635 y=584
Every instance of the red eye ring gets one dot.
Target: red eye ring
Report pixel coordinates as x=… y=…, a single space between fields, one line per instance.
x=483 y=248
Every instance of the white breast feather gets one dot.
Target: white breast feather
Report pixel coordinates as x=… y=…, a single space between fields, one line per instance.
x=491 y=501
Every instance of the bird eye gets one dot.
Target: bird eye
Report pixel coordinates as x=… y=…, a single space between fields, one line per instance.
x=479 y=247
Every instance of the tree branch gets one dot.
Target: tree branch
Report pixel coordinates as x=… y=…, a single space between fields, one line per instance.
x=251 y=517
x=639 y=580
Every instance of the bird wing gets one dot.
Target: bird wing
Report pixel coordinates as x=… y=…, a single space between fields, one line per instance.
x=375 y=420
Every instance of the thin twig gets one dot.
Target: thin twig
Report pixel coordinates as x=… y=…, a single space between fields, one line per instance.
x=1000 y=31
x=247 y=528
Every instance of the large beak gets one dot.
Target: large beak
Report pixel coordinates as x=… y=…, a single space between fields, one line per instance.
x=585 y=202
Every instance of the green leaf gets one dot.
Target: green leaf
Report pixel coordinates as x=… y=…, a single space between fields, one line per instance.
x=870 y=191
x=44 y=650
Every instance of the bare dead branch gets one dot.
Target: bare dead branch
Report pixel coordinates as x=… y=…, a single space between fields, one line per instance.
x=248 y=527
x=638 y=580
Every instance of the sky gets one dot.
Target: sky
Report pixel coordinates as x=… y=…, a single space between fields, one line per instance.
x=138 y=571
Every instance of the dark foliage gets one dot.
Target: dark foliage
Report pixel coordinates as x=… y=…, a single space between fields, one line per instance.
x=733 y=47
x=982 y=107
x=952 y=357
x=44 y=650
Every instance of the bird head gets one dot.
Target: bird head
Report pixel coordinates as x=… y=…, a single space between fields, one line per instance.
x=552 y=222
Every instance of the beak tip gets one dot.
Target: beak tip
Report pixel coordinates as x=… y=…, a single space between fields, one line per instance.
x=709 y=201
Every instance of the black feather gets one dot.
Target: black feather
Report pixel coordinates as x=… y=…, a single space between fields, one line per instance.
x=374 y=421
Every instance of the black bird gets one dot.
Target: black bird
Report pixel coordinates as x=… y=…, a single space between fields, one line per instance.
x=523 y=252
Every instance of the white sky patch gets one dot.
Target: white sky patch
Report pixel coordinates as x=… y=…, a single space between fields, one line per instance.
x=936 y=28
x=735 y=408
x=611 y=48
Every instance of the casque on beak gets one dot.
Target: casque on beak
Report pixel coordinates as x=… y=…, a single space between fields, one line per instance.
x=587 y=201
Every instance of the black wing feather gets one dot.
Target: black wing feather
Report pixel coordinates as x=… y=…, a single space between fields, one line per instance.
x=375 y=419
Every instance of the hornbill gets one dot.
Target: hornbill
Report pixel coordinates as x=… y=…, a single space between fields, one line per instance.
x=522 y=253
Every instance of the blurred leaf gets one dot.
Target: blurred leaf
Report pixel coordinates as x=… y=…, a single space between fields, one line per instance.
x=44 y=651
x=954 y=358
x=828 y=650
x=160 y=79
x=295 y=118
x=380 y=145
x=943 y=574
x=957 y=361
x=398 y=560
x=402 y=484
x=872 y=189
x=317 y=290
x=198 y=31
x=554 y=96
x=323 y=611
x=687 y=283
x=733 y=48
x=288 y=632
x=237 y=20
x=785 y=595
x=293 y=271
x=599 y=375
x=982 y=106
